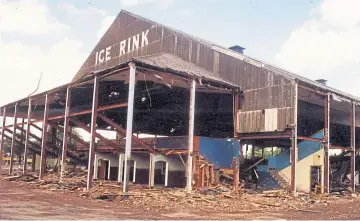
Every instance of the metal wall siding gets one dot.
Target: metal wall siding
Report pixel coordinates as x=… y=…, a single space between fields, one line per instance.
x=255 y=121
x=251 y=121
x=263 y=89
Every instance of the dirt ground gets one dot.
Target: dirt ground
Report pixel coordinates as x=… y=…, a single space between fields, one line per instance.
x=22 y=202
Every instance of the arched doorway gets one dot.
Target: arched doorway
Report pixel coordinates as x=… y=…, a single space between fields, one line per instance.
x=103 y=169
x=132 y=171
x=161 y=172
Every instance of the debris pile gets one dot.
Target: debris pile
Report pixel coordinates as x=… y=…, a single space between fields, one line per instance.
x=103 y=191
x=72 y=182
x=220 y=198
x=340 y=173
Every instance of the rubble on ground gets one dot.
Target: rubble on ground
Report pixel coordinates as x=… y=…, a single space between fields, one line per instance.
x=218 y=198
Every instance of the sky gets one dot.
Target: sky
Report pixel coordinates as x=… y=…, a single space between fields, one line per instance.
x=313 y=38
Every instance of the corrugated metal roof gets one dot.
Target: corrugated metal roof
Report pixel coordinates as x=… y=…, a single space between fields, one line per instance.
x=168 y=61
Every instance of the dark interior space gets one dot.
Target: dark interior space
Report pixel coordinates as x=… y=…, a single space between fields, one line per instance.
x=131 y=170
x=159 y=175
x=311 y=120
x=159 y=109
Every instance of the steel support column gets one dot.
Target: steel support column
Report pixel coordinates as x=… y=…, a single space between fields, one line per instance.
x=129 y=124
x=236 y=173
x=65 y=133
x=327 y=144
x=294 y=148
x=92 y=133
x=21 y=138
x=44 y=138
x=236 y=110
x=352 y=142
x=2 y=134
x=13 y=139
x=189 y=165
x=27 y=134
x=33 y=163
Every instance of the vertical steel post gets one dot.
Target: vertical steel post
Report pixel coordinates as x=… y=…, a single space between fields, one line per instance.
x=66 y=133
x=33 y=163
x=21 y=138
x=352 y=137
x=236 y=173
x=92 y=133
x=189 y=165
x=13 y=139
x=236 y=110
x=151 y=170
x=120 y=171
x=2 y=134
x=44 y=138
x=129 y=124
x=327 y=144
x=27 y=134
x=294 y=148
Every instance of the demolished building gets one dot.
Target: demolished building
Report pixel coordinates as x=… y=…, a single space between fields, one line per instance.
x=204 y=104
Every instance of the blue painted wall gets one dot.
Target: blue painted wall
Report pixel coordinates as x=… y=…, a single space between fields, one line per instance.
x=305 y=148
x=219 y=152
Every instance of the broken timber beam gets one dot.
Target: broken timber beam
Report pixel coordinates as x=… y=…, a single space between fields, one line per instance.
x=71 y=135
x=123 y=131
x=84 y=127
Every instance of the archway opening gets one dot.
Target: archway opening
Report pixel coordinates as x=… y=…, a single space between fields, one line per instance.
x=132 y=171
x=160 y=173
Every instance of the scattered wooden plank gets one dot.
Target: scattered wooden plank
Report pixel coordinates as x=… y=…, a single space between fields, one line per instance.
x=304 y=210
x=272 y=191
x=250 y=167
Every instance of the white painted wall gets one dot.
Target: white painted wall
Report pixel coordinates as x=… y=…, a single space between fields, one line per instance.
x=142 y=159
x=175 y=163
x=114 y=159
x=303 y=170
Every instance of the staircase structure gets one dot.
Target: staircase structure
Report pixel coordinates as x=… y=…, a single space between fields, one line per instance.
x=203 y=171
x=283 y=182
x=309 y=154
